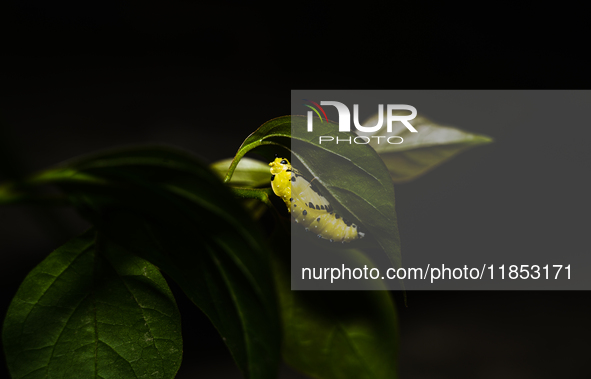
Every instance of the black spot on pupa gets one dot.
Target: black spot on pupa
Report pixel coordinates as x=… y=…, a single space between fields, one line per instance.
x=311 y=205
x=305 y=212
x=291 y=199
x=272 y=177
x=337 y=216
x=317 y=207
x=288 y=170
x=293 y=178
x=318 y=219
x=283 y=161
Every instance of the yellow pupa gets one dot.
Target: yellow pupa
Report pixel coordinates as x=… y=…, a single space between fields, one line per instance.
x=307 y=206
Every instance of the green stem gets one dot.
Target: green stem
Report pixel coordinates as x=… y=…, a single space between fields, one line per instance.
x=261 y=194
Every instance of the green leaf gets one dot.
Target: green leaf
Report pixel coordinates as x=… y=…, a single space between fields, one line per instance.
x=354 y=180
x=420 y=152
x=337 y=334
x=275 y=134
x=93 y=310
x=248 y=173
x=352 y=177
x=170 y=209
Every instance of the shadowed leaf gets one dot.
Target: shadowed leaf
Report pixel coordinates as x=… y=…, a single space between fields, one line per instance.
x=337 y=334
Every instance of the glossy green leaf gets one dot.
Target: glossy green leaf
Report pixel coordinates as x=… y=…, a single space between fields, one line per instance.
x=170 y=209
x=248 y=173
x=337 y=334
x=269 y=139
x=352 y=177
x=93 y=310
x=420 y=152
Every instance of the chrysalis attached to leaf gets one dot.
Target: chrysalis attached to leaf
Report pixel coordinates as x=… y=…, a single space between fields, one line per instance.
x=307 y=206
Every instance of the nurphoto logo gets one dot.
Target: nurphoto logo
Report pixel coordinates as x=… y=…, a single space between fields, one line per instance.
x=345 y=121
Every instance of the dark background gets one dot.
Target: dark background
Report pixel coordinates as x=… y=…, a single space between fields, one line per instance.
x=78 y=77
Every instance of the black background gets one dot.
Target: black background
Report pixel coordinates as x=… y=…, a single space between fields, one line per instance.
x=78 y=77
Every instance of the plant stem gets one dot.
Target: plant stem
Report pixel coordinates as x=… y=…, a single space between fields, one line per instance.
x=261 y=194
